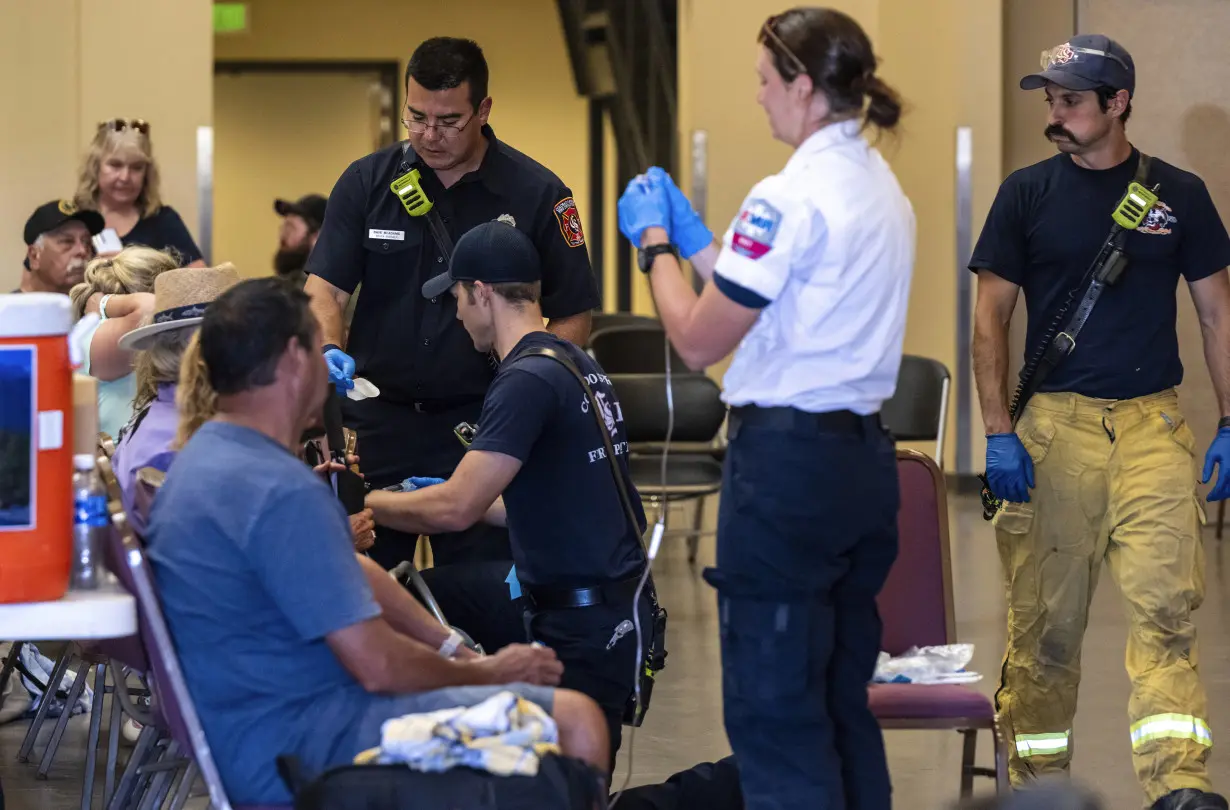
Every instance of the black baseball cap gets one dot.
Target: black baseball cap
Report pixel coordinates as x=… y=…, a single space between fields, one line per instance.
x=311 y=207
x=49 y=216
x=1086 y=62
x=493 y=253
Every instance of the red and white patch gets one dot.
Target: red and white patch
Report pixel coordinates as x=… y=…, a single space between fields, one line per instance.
x=570 y=222
x=755 y=229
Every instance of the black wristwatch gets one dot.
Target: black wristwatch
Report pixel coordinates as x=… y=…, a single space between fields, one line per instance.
x=646 y=255
x=1224 y=422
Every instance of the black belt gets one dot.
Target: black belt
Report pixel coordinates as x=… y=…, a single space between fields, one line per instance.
x=782 y=418
x=440 y=405
x=545 y=597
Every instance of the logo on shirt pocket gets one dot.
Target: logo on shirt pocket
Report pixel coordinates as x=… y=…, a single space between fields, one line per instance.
x=1158 y=220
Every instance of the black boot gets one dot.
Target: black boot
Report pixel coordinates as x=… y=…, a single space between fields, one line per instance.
x=1191 y=799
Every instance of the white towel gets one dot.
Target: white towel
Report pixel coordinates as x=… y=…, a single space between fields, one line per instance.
x=504 y=735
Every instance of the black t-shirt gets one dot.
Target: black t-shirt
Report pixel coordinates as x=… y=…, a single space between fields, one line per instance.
x=164 y=230
x=413 y=349
x=566 y=521
x=1043 y=232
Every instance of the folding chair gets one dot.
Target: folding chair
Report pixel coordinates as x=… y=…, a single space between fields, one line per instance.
x=916 y=610
x=918 y=409
x=692 y=471
x=168 y=685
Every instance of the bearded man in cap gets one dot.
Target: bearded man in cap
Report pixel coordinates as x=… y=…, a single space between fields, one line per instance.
x=301 y=221
x=1093 y=460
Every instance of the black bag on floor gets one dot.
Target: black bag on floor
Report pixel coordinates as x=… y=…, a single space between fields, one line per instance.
x=562 y=783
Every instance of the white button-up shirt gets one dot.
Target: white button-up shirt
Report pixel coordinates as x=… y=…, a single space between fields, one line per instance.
x=826 y=247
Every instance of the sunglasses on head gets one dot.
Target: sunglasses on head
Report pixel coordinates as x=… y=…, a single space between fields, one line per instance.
x=770 y=34
x=121 y=124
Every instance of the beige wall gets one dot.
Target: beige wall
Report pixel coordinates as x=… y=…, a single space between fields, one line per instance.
x=536 y=106
x=950 y=78
x=65 y=65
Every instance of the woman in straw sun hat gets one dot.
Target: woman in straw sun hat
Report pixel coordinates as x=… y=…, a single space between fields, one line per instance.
x=180 y=298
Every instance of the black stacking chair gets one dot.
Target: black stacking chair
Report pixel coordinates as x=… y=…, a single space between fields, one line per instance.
x=918 y=410
x=692 y=471
x=605 y=320
x=634 y=348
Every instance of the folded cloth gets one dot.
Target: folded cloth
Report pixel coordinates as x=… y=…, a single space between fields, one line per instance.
x=504 y=735
x=931 y=665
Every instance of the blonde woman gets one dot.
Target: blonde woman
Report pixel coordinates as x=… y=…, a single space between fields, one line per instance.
x=119 y=290
x=119 y=179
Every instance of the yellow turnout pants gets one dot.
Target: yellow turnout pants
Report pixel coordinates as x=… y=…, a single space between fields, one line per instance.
x=1115 y=481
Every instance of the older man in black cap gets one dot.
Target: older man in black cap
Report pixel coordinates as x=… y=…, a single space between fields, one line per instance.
x=59 y=242
x=301 y=221
x=576 y=539
x=1092 y=460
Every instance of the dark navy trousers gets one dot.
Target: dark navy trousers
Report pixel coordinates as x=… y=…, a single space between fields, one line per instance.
x=807 y=532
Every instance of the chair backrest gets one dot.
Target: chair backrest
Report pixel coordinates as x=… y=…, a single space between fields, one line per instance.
x=698 y=406
x=918 y=409
x=166 y=678
x=916 y=601
x=605 y=320
x=636 y=348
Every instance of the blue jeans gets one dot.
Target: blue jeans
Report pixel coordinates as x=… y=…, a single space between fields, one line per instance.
x=807 y=532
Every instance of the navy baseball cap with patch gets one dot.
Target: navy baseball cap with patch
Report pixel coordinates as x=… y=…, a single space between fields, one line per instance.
x=493 y=253
x=1085 y=62
x=49 y=216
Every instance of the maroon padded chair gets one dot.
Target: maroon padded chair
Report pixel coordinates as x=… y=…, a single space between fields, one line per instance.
x=916 y=609
x=167 y=684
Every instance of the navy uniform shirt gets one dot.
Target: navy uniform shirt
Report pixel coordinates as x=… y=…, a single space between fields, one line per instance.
x=411 y=348
x=1046 y=227
x=566 y=521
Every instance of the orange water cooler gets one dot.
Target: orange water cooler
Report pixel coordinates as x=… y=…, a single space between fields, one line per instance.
x=36 y=446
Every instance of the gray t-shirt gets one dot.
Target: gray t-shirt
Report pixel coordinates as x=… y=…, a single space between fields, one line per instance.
x=253 y=559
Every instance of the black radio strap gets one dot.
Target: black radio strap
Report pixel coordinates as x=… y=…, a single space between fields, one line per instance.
x=1106 y=270
x=438 y=231
x=620 y=483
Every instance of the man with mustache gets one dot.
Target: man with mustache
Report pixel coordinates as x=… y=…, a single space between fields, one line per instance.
x=1098 y=463
x=301 y=221
x=58 y=244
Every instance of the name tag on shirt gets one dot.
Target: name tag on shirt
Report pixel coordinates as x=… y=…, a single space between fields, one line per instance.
x=375 y=233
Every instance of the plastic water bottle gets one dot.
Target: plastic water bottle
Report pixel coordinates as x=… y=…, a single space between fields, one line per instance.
x=89 y=523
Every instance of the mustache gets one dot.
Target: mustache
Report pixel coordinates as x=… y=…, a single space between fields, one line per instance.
x=76 y=264
x=1055 y=129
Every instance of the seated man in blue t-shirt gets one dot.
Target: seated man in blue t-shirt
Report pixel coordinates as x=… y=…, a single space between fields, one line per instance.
x=579 y=558
x=290 y=643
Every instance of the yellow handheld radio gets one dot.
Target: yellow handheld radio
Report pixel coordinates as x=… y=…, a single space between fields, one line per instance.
x=409 y=189
x=1135 y=206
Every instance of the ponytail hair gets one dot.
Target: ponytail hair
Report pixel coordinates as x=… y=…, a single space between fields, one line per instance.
x=195 y=398
x=835 y=53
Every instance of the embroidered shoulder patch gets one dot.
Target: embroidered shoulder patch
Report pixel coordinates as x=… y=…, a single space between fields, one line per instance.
x=569 y=222
x=755 y=229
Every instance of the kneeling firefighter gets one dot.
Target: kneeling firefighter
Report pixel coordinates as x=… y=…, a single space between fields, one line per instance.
x=1093 y=460
x=549 y=440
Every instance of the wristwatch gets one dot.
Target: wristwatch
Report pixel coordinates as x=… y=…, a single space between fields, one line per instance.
x=646 y=255
x=1224 y=422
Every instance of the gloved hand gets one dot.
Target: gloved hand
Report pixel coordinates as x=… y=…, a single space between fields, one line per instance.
x=415 y=482
x=642 y=206
x=1219 y=454
x=341 y=369
x=688 y=231
x=1010 y=470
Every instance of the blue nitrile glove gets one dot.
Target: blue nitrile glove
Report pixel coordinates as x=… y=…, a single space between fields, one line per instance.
x=688 y=231
x=514 y=584
x=415 y=482
x=642 y=206
x=341 y=369
x=1219 y=454
x=1010 y=470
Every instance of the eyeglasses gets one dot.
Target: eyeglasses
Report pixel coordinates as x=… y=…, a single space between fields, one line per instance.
x=121 y=124
x=1062 y=54
x=769 y=33
x=447 y=131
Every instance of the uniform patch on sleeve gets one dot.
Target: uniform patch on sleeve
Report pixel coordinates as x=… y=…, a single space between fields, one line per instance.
x=755 y=229
x=569 y=222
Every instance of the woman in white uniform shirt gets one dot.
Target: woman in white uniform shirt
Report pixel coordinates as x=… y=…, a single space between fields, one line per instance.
x=811 y=284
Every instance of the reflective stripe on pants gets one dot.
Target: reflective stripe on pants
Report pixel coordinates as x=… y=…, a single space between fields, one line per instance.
x=1028 y=745
x=1174 y=726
